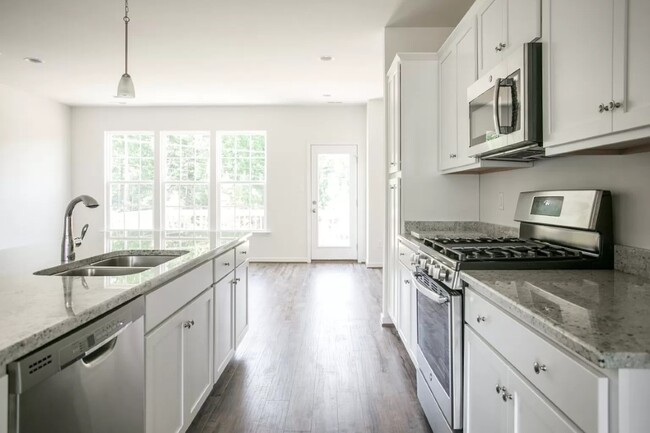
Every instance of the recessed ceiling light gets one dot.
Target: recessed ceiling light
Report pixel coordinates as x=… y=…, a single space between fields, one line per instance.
x=327 y=95
x=33 y=60
x=334 y=102
x=326 y=58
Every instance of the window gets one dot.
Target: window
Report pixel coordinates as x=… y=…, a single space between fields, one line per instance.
x=182 y=188
x=242 y=181
x=185 y=188
x=130 y=189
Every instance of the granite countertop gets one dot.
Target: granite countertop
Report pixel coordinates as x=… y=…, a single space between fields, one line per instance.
x=33 y=310
x=601 y=315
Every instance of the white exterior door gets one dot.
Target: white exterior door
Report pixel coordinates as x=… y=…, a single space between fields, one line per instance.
x=333 y=202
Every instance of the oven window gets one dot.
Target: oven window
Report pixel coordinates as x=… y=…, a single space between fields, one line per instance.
x=434 y=337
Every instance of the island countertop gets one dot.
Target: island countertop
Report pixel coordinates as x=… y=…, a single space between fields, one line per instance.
x=37 y=309
x=601 y=315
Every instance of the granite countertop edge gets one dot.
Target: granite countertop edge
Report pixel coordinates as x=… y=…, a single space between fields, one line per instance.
x=24 y=346
x=601 y=359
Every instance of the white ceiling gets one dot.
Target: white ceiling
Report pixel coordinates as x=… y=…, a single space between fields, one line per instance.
x=207 y=52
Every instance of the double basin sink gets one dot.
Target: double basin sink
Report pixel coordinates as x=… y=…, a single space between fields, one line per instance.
x=121 y=264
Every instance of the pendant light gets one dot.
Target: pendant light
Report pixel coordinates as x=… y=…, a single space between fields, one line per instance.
x=125 y=87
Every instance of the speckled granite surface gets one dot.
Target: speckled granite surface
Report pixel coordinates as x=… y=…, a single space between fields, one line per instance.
x=632 y=260
x=601 y=315
x=461 y=228
x=33 y=310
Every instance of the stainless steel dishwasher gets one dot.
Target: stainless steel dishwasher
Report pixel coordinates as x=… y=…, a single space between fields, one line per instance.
x=91 y=381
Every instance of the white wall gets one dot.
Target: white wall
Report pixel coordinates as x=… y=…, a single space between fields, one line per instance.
x=34 y=167
x=376 y=182
x=627 y=176
x=290 y=132
x=412 y=40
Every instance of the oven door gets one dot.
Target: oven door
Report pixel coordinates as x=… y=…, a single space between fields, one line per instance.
x=439 y=341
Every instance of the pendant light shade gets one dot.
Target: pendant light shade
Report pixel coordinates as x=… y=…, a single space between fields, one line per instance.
x=125 y=88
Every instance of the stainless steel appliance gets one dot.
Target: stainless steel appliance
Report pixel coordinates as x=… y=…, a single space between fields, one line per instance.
x=505 y=108
x=558 y=230
x=91 y=381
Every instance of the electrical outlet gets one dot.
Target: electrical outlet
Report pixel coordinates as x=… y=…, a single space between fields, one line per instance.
x=501 y=206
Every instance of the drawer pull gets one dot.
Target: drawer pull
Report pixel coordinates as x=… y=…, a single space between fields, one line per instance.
x=243 y=252
x=226 y=263
x=538 y=368
x=430 y=377
x=480 y=319
x=498 y=389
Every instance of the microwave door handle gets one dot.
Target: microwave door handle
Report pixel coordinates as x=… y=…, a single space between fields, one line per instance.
x=495 y=106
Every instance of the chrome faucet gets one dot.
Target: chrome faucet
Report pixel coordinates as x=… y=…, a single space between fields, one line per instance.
x=68 y=243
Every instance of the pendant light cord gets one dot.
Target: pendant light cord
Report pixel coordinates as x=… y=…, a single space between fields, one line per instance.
x=126 y=36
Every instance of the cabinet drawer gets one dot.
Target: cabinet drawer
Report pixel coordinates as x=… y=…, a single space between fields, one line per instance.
x=168 y=299
x=405 y=255
x=241 y=252
x=577 y=389
x=223 y=265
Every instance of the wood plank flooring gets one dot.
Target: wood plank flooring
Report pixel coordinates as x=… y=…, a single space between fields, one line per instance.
x=315 y=358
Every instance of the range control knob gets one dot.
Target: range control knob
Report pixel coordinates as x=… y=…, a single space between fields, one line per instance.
x=442 y=274
x=431 y=269
x=423 y=263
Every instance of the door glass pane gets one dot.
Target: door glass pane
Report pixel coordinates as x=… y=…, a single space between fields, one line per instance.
x=333 y=200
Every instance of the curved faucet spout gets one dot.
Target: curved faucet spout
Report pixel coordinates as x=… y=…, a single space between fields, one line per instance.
x=68 y=242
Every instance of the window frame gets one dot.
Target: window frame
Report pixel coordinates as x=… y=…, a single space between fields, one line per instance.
x=219 y=150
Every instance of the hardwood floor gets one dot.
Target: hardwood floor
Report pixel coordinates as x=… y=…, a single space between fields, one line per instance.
x=315 y=358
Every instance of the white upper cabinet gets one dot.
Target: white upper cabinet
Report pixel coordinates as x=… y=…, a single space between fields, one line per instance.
x=631 y=64
x=505 y=24
x=578 y=65
x=596 y=91
x=466 y=75
x=393 y=118
x=448 y=126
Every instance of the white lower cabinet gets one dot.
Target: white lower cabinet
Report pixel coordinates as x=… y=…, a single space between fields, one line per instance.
x=179 y=366
x=404 y=314
x=499 y=400
x=241 y=302
x=224 y=334
x=4 y=406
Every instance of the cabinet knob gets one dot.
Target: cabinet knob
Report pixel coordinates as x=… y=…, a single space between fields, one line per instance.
x=226 y=263
x=505 y=396
x=480 y=319
x=188 y=324
x=498 y=389
x=538 y=368
x=602 y=108
x=452 y=155
x=407 y=282
x=392 y=164
x=243 y=252
x=614 y=105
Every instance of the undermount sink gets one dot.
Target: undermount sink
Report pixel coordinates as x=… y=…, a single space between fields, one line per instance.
x=135 y=261
x=99 y=271
x=118 y=263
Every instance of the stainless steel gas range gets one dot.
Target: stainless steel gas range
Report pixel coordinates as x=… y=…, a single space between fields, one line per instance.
x=558 y=230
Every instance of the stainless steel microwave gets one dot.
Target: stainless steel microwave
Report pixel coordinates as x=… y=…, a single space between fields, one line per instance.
x=505 y=108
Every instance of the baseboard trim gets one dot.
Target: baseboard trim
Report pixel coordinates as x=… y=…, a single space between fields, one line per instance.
x=374 y=265
x=386 y=320
x=279 y=260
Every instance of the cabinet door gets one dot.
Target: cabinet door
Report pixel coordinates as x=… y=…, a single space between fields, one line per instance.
x=523 y=23
x=485 y=410
x=241 y=303
x=4 y=403
x=392 y=120
x=631 y=64
x=579 y=69
x=530 y=412
x=224 y=336
x=405 y=305
x=198 y=353
x=448 y=110
x=397 y=119
x=466 y=75
x=164 y=377
x=490 y=34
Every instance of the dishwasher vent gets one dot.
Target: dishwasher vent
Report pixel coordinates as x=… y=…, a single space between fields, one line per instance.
x=37 y=365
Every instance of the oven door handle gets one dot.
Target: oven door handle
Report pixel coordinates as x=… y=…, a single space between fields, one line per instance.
x=429 y=293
